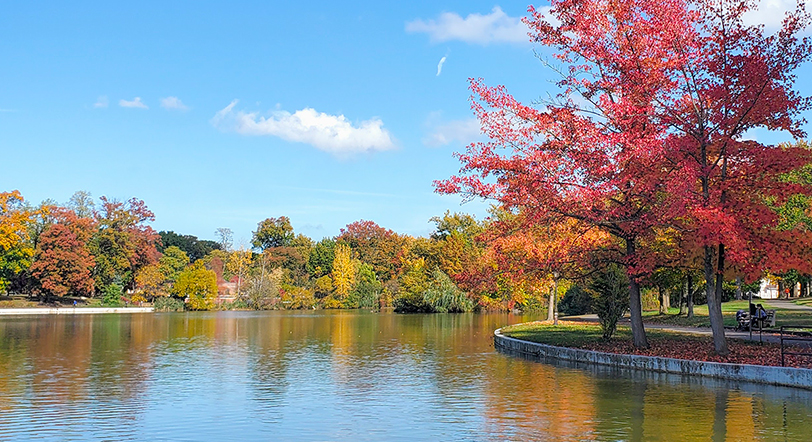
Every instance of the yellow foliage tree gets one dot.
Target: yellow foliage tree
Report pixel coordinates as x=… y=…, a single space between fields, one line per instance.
x=343 y=271
x=15 y=250
x=149 y=281
x=198 y=285
x=237 y=264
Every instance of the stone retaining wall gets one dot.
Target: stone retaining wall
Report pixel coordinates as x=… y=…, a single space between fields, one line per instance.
x=73 y=310
x=783 y=376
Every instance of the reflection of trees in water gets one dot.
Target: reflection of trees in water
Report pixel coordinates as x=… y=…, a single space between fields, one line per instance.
x=350 y=370
x=555 y=402
x=57 y=369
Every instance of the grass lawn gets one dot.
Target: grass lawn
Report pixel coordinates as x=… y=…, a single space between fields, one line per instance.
x=575 y=334
x=804 y=301
x=700 y=319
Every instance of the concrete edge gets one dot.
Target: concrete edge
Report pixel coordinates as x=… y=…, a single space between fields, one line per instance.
x=781 y=376
x=73 y=310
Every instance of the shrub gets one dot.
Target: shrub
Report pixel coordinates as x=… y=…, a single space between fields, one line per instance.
x=112 y=296
x=576 y=301
x=610 y=297
x=297 y=298
x=169 y=304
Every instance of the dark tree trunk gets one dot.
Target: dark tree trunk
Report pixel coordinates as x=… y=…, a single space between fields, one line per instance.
x=683 y=299
x=664 y=296
x=690 y=296
x=635 y=305
x=738 y=288
x=714 y=293
x=781 y=289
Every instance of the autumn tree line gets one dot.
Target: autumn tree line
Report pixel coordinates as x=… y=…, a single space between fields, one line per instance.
x=107 y=251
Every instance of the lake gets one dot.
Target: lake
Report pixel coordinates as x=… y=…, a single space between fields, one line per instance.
x=347 y=376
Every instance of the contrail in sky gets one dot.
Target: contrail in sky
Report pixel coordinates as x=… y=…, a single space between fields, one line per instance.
x=440 y=65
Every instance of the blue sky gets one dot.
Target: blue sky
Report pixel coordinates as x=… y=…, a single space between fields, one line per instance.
x=222 y=114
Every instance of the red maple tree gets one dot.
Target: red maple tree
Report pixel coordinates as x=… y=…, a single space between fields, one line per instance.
x=657 y=96
x=63 y=263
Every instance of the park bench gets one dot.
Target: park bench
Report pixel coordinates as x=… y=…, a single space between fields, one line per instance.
x=744 y=320
x=769 y=321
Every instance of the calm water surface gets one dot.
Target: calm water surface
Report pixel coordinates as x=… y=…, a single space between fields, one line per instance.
x=350 y=376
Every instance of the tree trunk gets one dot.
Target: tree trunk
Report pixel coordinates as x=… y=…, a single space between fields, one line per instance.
x=781 y=289
x=738 y=288
x=804 y=287
x=555 y=298
x=551 y=305
x=683 y=299
x=635 y=305
x=662 y=297
x=690 y=296
x=792 y=288
x=714 y=293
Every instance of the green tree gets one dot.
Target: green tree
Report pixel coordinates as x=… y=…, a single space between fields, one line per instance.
x=443 y=296
x=16 y=251
x=273 y=232
x=367 y=288
x=320 y=261
x=123 y=242
x=172 y=263
x=193 y=247
x=610 y=297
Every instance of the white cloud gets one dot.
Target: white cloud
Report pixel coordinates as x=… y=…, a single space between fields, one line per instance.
x=770 y=13
x=173 y=103
x=440 y=65
x=136 y=102
x=330 y=133
x=101 y=102
x=495 y=27
x=460 y=131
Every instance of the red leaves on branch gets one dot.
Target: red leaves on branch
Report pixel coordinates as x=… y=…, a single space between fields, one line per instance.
x=63 y=262
x=649 y=132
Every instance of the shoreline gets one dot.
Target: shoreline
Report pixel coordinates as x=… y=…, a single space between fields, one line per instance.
x=762 y=374
x=72 y=310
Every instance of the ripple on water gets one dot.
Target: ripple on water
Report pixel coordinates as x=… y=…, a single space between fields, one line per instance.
x=341 y=376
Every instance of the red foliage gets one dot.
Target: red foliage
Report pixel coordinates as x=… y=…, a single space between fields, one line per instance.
x=374 y=245
x=665 y=92
x=702 y=349
x=63 y=262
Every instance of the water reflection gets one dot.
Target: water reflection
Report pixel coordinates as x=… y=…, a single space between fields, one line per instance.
x=347 y=376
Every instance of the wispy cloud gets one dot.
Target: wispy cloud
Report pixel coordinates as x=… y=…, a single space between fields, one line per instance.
x=173 y=103
x=101 y=102
x=454 y=131
x=440 y=65
x=7 y=110
x=136 y=103
x=496 y=27
x=331 y=133
x=770 y=13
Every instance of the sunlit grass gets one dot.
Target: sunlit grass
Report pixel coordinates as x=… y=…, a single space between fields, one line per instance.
x=701 y=319
x=580 y=335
